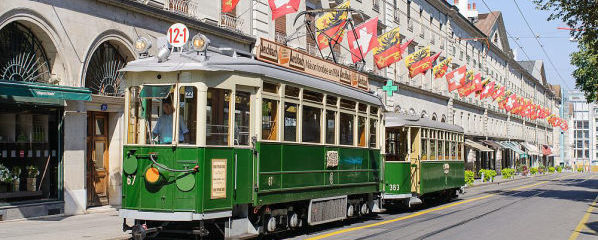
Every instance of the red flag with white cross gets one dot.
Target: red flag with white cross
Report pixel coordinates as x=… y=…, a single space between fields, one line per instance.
x=510 y=102
x=456 y=78
x=367 y=39
x=283 y=7
x=229 y=5
x=498 y=93
x=488 y=90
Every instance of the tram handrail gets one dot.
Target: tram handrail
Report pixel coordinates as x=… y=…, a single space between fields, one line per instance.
x=152 y=155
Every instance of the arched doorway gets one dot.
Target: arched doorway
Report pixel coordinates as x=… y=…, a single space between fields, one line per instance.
x=22 y=56
x=102 y=76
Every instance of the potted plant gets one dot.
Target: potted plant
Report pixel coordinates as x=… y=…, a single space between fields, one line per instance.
x=5 y=177
x=32 y=174
x=16 y=179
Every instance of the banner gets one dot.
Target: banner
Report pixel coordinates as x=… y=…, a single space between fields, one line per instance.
x=367 y=39
x=389 y=49
x=440 y=69
x=331 y=25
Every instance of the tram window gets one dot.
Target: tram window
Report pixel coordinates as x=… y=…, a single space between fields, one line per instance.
x=391 y=146
x=217 y=116
x=331 y=100
x=440 y=149
x=363 y=108
x=346 y=129
x=424 y=147
x=447 y=150
x=270 y=87
x=242 y=114
x=134 y=108
x=348 y=104
x=460 y=151
x=188 y=113
x=310 y=127
x=330 y=125
x=432 y=149
x=290 y=122
x=372 y=138
x=292 y=92
x=313 y=96
x=361 y=121
x=374 y=110
x=269 y=120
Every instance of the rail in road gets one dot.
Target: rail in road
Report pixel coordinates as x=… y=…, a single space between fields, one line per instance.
x=558 y=206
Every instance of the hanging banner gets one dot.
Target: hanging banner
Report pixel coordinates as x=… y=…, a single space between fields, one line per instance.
x=389 y=49
x=296 y=60
x=440 y=69
x=330 y=27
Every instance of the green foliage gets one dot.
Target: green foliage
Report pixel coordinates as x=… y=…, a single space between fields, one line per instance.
x=488 y=174
x=541 y=169
x=551 y=169
x=469 y=177
x=579 y=169
x=507 y=173
x=533 y=170
x=32 y=171
x=559 y=169
x=582 y=17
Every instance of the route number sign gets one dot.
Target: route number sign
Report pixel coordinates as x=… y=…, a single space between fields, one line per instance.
x=177 y=35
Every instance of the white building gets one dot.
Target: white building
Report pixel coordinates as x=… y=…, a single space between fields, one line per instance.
x=583 y=131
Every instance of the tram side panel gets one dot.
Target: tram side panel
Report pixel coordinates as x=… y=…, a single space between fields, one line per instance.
x=397 y=179
x=441 y=175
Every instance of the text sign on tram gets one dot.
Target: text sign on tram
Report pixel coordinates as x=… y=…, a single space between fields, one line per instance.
x=283 y=56
x=177 y=35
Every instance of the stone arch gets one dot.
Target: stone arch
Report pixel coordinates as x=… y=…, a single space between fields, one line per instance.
x=114 y=45
x=434 y=118
x=443 y=118
x=45 y=33
x=424 y=114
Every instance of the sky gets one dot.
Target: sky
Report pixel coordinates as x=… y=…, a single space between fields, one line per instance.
x=556 y=42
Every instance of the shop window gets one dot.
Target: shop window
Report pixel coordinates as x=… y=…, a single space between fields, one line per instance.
x=330 y=126
x=361 y=122
x=346 y=128
x=188 y=113
x=269 y=119
x=372 y=138
x=242 y=116
x=217 y=116
x=310 y=126
x=290 y=122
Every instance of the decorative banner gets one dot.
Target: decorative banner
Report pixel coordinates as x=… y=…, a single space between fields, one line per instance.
x=510 y=102
x=331 y=25
x=389 y=50
x=420 y=61
x=416 y=57
x=488 y=90
x=229 y=5
x=498 y=93
x=367 y=35
x=296 y=60
x=469 y=85
x=456 y=78
x=440 y=69
x=283 y=7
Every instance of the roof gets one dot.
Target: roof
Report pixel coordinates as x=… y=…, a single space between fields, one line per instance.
x=486 y=21
x=403 y=120
x=190 y=61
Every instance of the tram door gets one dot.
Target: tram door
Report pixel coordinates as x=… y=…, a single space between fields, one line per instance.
x=97 y=159
x=415 y=158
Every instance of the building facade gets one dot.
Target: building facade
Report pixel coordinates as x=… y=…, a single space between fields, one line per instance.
x=82 y=44
x=583 y=132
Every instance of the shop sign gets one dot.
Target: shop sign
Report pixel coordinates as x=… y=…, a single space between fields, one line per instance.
x=283 y=56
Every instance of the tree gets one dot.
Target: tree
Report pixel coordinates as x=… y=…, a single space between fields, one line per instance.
x=582 y=17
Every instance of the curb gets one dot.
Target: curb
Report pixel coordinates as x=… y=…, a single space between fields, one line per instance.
x=505 y=181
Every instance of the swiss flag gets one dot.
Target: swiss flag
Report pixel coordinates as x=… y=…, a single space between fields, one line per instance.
x=367 y=39
x=510 y=102
x=283 y=7
x=229 y=5
x=456 y=78
x=488 y=90
x=499 y=93
x=477 y=83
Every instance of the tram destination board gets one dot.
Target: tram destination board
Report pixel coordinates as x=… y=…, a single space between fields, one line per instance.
x=284 y=56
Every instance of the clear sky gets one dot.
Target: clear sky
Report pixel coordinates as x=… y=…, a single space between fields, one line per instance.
x=556 y=42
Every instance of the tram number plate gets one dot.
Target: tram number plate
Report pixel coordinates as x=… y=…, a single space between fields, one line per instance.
x=393 y=187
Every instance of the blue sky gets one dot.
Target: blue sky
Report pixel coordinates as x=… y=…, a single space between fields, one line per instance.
x=556 y=42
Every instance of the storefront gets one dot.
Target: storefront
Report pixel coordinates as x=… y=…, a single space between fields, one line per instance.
x=479 y=156
x=32 y=146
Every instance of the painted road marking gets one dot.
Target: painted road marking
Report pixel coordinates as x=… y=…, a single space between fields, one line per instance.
x=420 y=213
x=582 y=223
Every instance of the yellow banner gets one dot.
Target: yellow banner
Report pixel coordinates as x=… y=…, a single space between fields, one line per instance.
x=417 y=56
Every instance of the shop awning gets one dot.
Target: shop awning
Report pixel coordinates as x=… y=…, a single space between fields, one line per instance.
x=477 y=146
x=530 y=148
x=546 y=150
x=41 y=92
x=404 y=120
x=514 y=147
x=493 y=144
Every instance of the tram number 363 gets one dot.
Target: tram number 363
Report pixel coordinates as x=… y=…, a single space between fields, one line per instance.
x=393 y=187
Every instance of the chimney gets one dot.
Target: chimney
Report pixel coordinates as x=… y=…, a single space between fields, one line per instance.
x=473 y=6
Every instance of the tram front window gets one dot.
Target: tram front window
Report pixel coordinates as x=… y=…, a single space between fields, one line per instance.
x=162 y=130
x=242 y=114
x=188 y=112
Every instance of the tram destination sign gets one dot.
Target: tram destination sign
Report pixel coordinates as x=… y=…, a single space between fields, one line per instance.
x=284 y=56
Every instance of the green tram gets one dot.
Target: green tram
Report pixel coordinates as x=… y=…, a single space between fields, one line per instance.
x=244 y=146
x=424 y=158
x=221 y=144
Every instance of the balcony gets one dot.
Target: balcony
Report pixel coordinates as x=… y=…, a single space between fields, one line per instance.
x=188 y=8
x=230 y=22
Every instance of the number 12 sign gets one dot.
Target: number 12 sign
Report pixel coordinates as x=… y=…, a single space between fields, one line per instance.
x=178 y=35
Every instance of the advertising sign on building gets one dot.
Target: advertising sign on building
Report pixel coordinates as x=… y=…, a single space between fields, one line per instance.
x=283 y=56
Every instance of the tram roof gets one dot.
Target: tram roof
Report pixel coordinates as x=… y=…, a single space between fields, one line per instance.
x=190 y=61
x=404 y=120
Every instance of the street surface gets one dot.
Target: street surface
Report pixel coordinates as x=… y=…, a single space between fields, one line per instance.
x=554 y=206
x=557 y=206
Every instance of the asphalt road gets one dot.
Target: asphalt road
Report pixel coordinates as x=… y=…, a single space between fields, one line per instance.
x=557 y=206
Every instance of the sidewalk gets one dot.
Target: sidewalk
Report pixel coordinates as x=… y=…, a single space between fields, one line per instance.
x=499 y=179
x=100 y=225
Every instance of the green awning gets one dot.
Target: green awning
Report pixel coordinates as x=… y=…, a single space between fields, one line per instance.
x=514 y=147
x=155 y=91
x=41 y=92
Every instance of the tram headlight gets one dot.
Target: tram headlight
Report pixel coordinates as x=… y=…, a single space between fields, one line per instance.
x=200 y=42
x=142 y=45
x=163 y=54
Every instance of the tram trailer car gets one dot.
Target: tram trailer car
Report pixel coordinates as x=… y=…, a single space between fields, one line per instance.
x=290 y=150
x=424 y=159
